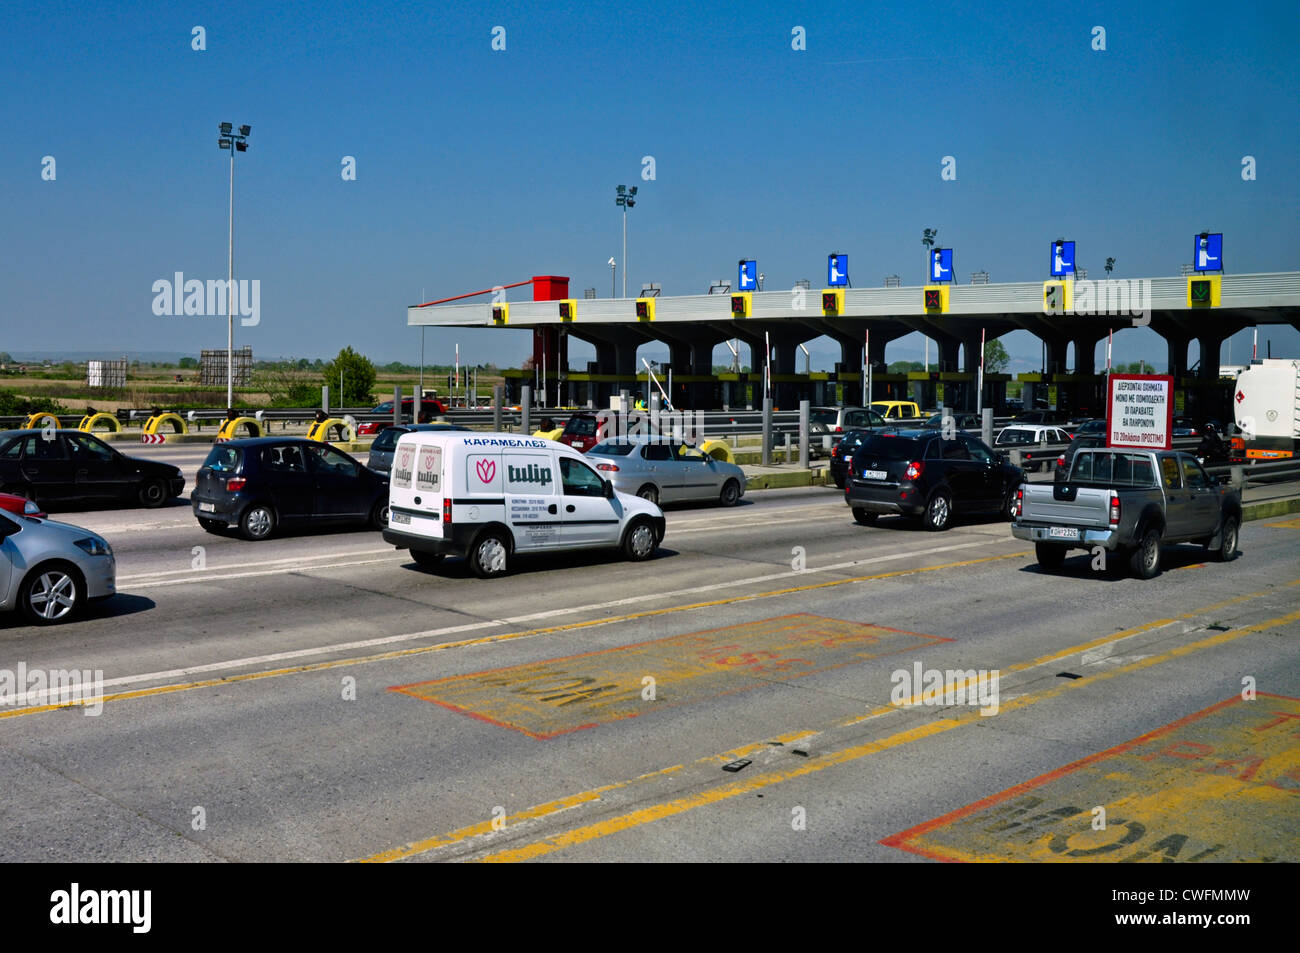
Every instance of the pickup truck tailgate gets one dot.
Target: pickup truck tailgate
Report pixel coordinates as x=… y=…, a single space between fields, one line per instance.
x=1064 y=504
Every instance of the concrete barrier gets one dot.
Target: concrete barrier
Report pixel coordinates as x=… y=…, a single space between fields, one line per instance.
x=88 y=423
x=336 y=427
x=176 y=421
x=718 y=451
x=230 y=429
x=34 y=422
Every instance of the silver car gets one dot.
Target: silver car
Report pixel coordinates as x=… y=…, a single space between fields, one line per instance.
x=51 y=570
x=664 y=470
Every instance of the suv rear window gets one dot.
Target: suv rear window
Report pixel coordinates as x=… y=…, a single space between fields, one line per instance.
x=890 y=448
x=386 y=442
x=824 y=417
x=224 y=459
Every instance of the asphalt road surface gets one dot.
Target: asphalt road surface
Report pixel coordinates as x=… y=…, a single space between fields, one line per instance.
x=319 y=697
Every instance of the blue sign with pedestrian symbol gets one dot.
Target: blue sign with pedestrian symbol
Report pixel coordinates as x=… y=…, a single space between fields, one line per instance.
x=1062 y=259
x=1209 y=253
x=941 y=264
x=748 y=274
x=837 y=271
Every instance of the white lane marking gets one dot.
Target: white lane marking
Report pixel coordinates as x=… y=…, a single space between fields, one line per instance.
x=215 y=577
x=203 y=573
x=277 y=657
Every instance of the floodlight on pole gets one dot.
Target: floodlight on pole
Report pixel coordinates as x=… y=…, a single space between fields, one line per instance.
x=625 y=198
x=232 y=142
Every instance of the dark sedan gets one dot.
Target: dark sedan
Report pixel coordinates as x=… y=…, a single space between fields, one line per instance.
x=920 y=473
x=67 y=466
x=260 y=484
x=381 y=451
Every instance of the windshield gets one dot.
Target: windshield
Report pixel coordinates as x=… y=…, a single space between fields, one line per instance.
x=884 y=447
x=386 y=441
x=224 y=459
x=611 y=449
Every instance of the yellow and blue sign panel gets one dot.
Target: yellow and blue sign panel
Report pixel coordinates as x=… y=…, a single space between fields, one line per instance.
x=1062 y=259
x=1208 y=254
x=748 y=275
x=837 y=271
x=941 y=264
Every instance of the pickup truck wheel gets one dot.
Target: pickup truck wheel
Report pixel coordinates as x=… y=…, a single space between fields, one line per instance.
x=1227 y=550
x=1049 y=557
x=1145 y=561
x=938 y=512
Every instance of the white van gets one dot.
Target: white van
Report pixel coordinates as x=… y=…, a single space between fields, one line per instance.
x=488 y=496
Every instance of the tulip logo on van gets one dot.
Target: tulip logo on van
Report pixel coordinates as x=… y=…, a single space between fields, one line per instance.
x=529 y=474
x=487 y=470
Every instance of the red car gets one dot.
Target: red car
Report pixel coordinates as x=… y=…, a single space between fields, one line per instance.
x=429 y=407
x=20 y=505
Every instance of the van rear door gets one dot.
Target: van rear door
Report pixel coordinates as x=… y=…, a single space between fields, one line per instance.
x=417 y=474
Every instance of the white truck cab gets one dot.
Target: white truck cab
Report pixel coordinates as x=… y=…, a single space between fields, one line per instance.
x=488 y=496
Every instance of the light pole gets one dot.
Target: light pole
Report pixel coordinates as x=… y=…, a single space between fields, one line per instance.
x=625 y=199
x=232 y=142
x=613 y=277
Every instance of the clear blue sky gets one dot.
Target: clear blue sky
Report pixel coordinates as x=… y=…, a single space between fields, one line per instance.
x=477 y=167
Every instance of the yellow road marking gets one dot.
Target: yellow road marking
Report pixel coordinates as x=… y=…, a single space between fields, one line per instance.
x=563 y=804
x=503 y=637
x=681 y=805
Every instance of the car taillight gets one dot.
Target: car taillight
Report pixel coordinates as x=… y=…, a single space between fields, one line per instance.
x=446 y=511
x=839 y=430
x=914 y=470
x=1114 y=510
x=848 y=461
x=1060 y=461
x=609 y=467
x=1020 y=502
x=235 y=484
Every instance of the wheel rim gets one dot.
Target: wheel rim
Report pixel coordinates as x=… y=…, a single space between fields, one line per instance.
x=492 y=555
x=643 y=540
x=53 y=595
x=729 y=493
x=1151 y=553
x=383 y=515
x=649 y=493
x=1230 y=538
x=259 y=521
x=152 y=492
x=939 y=511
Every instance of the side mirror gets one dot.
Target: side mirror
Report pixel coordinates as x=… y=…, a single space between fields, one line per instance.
x=609 y=490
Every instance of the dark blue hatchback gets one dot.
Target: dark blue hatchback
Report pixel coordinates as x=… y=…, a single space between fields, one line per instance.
x=261 y=484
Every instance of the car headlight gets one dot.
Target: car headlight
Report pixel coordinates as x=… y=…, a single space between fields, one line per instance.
x=94 y=546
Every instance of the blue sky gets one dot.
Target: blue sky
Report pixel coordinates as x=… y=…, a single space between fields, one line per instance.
x=478 y=167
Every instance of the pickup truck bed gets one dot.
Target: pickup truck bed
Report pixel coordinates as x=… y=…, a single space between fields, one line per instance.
x=1131 y=502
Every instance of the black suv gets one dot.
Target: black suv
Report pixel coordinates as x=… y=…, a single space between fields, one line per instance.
x=919 y=473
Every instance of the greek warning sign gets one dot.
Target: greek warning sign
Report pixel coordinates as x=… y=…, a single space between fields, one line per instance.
x=1140 y=411
x=1221 y=785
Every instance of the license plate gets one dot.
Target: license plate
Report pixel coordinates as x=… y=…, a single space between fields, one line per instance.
x=207 y=507
x=875 y=474
x=403 y=518
x=1063 y=532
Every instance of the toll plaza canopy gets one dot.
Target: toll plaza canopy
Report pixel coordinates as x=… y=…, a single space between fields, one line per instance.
x=1062 y=312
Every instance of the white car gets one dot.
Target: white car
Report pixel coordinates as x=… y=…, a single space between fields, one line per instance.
x=1027 y=437
x=490 y=496
x=50 y=570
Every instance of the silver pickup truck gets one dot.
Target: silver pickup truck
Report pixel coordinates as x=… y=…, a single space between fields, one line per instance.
x=1130 y=502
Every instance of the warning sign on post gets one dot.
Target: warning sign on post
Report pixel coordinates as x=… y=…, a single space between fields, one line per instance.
x=1140 y=411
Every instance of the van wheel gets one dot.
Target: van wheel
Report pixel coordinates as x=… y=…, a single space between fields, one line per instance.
x=938 y=512
x=1227 y=550
x=426 y=560
x=490 y=556
x=1145 y=561
x=639 y=541
x=730 y=493
x=865 y=517
x=649 y=492
x=1050 y=557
